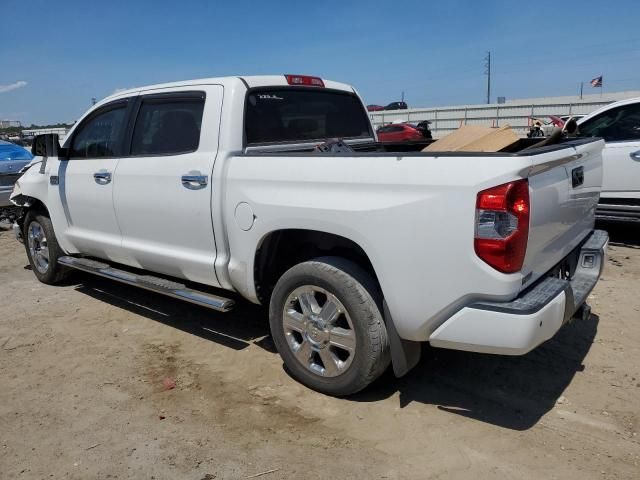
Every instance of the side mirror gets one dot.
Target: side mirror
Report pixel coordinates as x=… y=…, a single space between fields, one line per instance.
x=46 y=145
x=571 y=127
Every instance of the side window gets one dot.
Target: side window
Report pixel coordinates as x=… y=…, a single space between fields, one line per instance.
x=167 y=126
x=101 y=134
x=622 y=123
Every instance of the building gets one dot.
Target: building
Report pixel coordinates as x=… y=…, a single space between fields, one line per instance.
x=10 y=123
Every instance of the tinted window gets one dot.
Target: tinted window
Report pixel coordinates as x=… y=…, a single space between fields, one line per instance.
x=281 y=115
x=167 y=126
x=101 y=135
x=622 y=123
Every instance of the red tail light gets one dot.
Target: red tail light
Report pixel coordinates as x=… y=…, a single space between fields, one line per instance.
x=304 y=80
x=502 y=225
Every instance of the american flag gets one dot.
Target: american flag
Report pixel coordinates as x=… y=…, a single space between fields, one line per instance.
x=597 y=82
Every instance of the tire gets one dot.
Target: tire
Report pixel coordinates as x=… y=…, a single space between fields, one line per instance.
x=42 y=248
x=338 y=344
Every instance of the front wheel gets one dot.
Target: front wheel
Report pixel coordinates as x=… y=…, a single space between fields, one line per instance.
x=42 y=248
x=326 y=323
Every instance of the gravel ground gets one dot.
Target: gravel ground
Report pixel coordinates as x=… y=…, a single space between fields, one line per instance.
x=87 y=371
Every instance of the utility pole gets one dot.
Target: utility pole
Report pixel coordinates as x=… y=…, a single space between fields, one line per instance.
x=487 y=72
x=581 y=87
x=403 y=95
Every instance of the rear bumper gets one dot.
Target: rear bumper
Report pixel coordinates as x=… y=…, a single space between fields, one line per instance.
x=518 y=326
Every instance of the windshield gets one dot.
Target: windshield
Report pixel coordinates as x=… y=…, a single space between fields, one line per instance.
x=292 y=115
x=10 y=151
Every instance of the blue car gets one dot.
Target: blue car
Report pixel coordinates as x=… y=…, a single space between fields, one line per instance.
x=13 y=158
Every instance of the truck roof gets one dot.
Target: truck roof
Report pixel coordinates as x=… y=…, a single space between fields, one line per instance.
x=251 y=81
x=609 y=106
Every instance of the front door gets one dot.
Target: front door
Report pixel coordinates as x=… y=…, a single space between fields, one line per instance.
x=162 y=189
x=620 y=128
x=85 y=183
x=621 y=169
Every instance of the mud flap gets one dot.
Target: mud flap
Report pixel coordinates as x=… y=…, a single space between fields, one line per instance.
x=405 y=354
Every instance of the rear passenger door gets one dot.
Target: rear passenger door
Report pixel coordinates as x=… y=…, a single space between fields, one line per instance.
x=162 y=188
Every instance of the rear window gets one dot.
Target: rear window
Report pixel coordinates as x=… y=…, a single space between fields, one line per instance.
x=292 y=115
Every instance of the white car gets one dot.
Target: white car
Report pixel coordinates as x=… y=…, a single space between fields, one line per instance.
x=619 y=124
x=196 y=189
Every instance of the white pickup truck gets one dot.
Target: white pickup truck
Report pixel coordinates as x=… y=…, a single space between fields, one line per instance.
x=619 y=125
x=214 y=189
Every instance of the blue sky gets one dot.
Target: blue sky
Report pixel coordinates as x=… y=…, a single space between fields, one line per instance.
x=56 y=55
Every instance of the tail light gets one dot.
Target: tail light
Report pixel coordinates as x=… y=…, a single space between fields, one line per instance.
x=304 y=80
x=502 y=225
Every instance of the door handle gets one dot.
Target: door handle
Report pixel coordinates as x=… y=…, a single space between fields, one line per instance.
x=635 y=155
x=194 y=182
x=102 y=178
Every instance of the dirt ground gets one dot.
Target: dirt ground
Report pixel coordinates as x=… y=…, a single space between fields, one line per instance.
x=83 y=395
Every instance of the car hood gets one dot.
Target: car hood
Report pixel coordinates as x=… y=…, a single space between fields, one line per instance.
x=12 y=166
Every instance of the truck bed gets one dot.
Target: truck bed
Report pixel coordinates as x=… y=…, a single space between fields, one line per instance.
x=422 y=205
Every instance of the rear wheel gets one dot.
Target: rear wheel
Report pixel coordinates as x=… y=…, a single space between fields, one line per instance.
x=42 y=248
x=327 y=325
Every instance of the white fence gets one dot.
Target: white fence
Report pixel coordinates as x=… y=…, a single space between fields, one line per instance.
x=516 y=113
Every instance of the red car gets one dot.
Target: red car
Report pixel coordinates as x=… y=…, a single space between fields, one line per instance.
x=374 y=108
x=399 y=132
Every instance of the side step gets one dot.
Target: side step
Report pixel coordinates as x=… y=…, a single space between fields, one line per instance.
x=148 y=282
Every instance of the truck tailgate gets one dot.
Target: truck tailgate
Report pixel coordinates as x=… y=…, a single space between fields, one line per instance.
x=563 y=193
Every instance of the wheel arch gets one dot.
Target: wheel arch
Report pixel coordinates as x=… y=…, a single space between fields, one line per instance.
x=281 y=249
x=29 y=204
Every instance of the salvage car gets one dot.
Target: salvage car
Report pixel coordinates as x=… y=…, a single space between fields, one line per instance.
x=396 y=106
x=13 y=158
x=210 y=190
x=619 y=124
x=401 y=132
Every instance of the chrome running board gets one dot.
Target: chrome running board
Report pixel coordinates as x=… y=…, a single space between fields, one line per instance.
x=148 y=282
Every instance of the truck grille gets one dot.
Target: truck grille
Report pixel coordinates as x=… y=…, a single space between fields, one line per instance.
x=8 y=179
